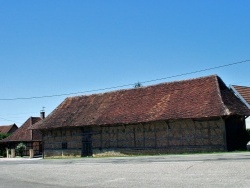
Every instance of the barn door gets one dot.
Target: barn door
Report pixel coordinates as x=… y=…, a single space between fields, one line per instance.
x=86 y=142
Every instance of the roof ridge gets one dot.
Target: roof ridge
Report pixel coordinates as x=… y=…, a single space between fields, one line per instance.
x=240 y=86
x=144 y=87
x=7 y=125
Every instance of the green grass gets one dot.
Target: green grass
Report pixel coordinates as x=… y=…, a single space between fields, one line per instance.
x=146 y=155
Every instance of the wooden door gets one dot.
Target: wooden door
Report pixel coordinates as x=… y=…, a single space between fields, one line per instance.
x=87 y=142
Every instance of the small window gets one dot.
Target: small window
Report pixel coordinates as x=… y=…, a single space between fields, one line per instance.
x=64 y=145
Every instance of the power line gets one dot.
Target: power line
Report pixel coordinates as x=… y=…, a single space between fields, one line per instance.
x=198 y=71
x=125 y=85
x=18 y=114
x=237 y=83
x=9 y=120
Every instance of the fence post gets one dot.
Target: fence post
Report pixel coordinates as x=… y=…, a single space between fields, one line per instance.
x=31 y=153
x=7 y=152
x=12 y=152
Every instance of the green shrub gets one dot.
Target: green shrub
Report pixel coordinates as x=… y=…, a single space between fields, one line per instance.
x=2 y=152
x=20 y=148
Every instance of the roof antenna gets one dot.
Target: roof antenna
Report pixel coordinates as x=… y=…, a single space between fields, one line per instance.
x=137 y=85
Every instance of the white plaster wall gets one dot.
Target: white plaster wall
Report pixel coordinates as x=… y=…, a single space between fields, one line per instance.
x=248 y=123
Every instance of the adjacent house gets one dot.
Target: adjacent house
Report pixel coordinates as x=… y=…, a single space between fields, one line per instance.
x=196 y=115
x=31 y=138
x=8 y=129
x=244 y=95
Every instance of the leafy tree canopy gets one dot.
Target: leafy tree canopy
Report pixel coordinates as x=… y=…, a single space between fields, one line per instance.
x=4 y=135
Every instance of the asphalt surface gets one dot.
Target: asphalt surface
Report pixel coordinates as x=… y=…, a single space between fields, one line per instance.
x=199 y=170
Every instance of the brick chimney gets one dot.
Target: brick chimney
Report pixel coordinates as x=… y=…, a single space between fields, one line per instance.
x=42 y=114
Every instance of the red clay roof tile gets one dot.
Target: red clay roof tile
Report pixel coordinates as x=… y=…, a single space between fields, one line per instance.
x=24 y=133
x=8 y=128
x=244 y=92
x=195 y=98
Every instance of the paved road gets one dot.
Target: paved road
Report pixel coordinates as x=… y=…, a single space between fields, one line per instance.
x=204 y=170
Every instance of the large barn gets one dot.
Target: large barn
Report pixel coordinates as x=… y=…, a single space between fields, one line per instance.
x=196 y=115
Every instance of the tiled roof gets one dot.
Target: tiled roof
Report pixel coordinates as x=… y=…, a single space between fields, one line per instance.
x=8 y=128
x=244 y=92
x=24 y=133
x=195 y=98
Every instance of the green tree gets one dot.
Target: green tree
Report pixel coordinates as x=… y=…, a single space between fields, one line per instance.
x=2 y=148
x=4 y=135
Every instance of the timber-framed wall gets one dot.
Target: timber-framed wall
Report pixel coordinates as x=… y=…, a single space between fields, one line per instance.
x=161 y=137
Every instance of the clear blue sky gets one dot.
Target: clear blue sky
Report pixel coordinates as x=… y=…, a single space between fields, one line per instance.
x=58 y=46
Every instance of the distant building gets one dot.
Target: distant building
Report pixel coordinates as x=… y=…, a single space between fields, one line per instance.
x=31 y=138
x=196 y=115
x=8 y=128
x=243 y=93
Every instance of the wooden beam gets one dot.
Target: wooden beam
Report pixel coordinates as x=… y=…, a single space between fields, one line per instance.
x=155 y=135
x=134 y=136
